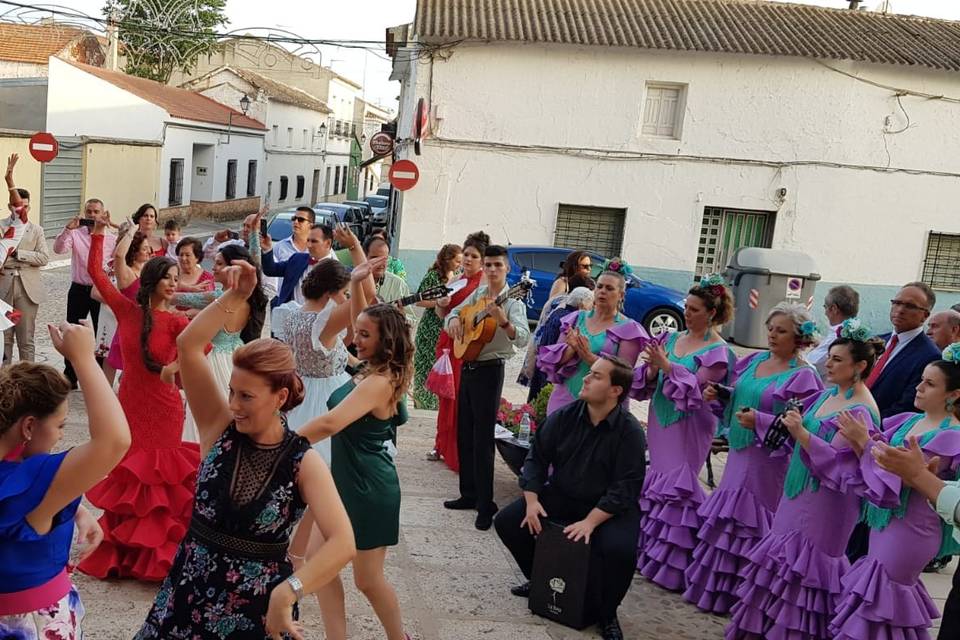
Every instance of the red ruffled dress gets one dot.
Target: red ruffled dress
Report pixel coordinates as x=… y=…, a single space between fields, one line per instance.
x=446 y=440
x=148 y=498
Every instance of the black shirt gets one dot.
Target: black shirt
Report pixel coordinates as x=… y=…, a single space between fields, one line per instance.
x=598 y=466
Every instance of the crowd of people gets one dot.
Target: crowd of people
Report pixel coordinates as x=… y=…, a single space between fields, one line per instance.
x=242 y=472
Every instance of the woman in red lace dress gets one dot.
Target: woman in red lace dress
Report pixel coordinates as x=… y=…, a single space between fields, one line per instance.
x=446 y=442
x=147 y=499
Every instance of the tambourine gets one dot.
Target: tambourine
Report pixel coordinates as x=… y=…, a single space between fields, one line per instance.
x=778 y=433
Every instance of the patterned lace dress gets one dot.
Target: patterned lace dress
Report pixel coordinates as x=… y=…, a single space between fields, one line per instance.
x=220 y=357
x=235 y=552
x=323 y=370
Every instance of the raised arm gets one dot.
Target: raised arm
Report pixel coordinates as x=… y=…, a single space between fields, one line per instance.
x=125 y=275
x=367 y=396
x=339 y=547
x=15 y=199
x=114 y=299
x=210 y=408
x=87 y=464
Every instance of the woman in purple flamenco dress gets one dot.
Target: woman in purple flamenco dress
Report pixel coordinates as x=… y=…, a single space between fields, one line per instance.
x=681 y=426
x=740 y=511
x=792 y=581
x=585 y=335
x=883 y=596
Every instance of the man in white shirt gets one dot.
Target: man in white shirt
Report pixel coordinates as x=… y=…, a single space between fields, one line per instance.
x=839 y=304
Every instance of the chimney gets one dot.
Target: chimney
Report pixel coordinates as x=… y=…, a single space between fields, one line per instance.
x=854 y=4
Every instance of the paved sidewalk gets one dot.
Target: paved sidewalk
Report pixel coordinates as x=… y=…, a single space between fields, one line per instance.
x=452 y=580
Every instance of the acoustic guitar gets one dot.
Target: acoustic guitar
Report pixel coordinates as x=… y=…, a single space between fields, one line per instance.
x=479 y=326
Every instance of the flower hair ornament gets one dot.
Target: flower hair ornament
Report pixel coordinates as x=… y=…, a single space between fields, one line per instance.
x=714 y=283
x=808 y=329
x=853 y=329
x=617 y=265
x=952 y=353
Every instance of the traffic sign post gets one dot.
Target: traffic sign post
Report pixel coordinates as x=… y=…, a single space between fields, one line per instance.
x=381 y=143
x=43 y=147
x=404 y=175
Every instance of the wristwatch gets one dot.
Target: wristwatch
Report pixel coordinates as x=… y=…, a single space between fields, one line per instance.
x=297 y=587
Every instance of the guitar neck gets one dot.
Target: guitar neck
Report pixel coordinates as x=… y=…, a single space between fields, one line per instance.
x=411 y=299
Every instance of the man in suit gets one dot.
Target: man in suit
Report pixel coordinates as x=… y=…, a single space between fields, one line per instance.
x=840 y=303
x=20 y=283
x=897 y=373
x=894 y=379
x=294 y=269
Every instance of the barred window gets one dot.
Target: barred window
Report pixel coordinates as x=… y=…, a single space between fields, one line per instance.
x=175 y=192
x=231 y=179
x=941 y=266
x=598 y=229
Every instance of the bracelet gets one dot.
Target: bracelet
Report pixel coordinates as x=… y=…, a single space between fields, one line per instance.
x=297 y=587
x=222 y=306
x=11 y=188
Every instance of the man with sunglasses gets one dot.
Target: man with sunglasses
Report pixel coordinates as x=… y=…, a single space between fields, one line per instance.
x=295 y=268
x=894 y=378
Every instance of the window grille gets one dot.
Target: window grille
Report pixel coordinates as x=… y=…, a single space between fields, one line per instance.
x=598 y=229
x=231 y=179
x=941 y=265
x=175 y=193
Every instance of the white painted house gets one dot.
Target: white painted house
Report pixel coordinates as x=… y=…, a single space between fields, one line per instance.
x=211 y=155
x=672 y=132
x=297 y=125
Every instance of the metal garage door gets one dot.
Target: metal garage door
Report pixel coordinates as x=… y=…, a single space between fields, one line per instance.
x=598 y=229
x=62 y=186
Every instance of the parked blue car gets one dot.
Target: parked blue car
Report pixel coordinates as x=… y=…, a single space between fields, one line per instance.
x=657 y=308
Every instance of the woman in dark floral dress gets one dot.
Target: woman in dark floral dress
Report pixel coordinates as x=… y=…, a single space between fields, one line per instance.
x=231 y=578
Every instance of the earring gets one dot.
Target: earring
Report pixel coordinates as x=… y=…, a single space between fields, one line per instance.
x=950 y=405
x=276 y=413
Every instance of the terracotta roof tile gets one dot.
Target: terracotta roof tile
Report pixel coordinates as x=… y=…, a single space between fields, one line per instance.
x=717 y=26
x=35 y=43
x=179 y=103
x=282 y=92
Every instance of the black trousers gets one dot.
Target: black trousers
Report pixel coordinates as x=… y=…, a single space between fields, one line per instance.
x=950 y=623
x=79 y=305
x=613 y=548
x=479 y=399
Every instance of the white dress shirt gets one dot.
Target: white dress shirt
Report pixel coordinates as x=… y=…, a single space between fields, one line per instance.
x=904 y=338
x=818 y=355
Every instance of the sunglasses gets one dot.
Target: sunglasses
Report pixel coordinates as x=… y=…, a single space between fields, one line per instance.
x=584 y=265
x=300 y=219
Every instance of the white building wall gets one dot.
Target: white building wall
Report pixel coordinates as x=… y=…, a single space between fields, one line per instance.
x=295 y=150
x=14 y=69
x=82 y=104
x=180 y=142
x=746 y=121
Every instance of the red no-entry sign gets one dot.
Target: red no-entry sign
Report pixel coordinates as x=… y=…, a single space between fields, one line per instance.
x=43 y=147
x=404 y=175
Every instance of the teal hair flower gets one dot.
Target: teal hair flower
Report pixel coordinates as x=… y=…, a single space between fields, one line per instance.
x=952 y=353
x=714 y=283
x=618 y=265
x=808 y=329
x=853 y=329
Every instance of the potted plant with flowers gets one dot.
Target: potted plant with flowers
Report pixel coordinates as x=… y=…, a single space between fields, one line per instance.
x=513 y=450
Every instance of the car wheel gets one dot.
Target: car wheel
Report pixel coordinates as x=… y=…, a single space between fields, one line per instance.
x=663 y=321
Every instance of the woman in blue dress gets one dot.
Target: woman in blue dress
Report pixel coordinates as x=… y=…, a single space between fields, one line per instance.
x=39 y=495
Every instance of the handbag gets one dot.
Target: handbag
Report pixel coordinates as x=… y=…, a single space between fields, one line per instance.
x=440 y=379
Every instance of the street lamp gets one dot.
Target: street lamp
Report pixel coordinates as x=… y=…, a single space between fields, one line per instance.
x=323 y=129
x=244 y=104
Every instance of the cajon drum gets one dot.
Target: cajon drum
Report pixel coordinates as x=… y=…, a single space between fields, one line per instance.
x=558 y=584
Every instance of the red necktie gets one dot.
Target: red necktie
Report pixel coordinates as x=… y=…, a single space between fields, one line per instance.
x=313 y=261
x=882 y=362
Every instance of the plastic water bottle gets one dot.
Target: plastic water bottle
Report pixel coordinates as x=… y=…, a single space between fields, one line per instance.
x=524 y=435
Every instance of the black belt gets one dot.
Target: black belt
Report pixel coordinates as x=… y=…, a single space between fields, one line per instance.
x=82 y=286
x=237 y=546
x=481 y=364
